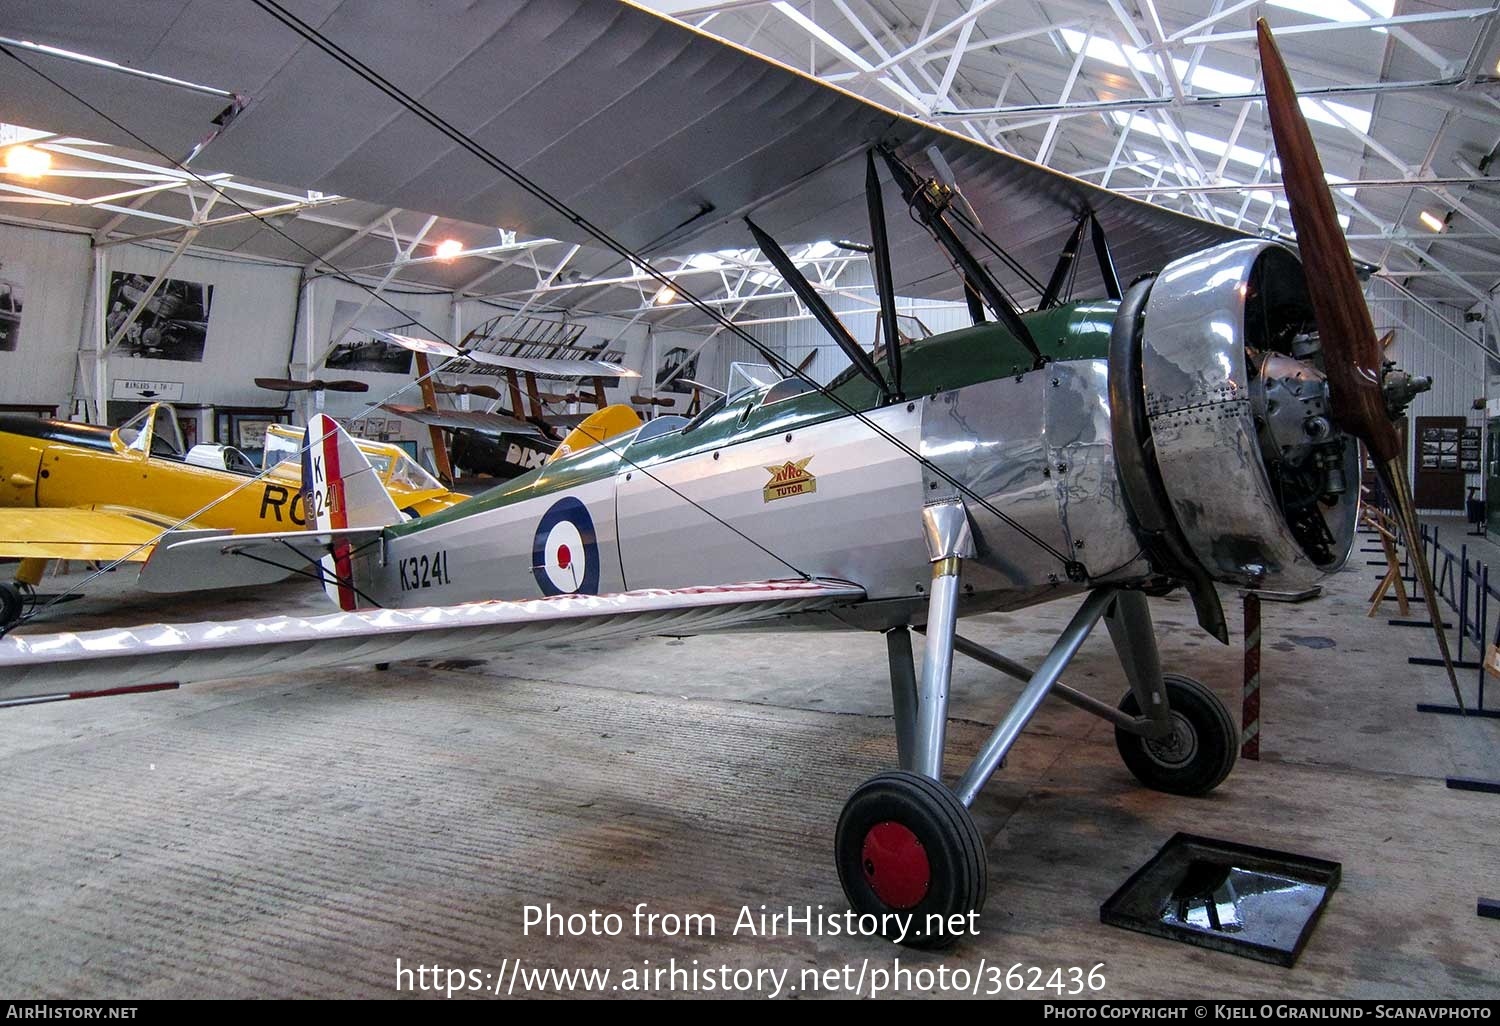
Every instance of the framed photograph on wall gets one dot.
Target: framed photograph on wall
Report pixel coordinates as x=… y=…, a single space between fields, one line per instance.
x=10 y=315
x=173 y=323
x=353 y=346
x=250 y=434
x=239 y=425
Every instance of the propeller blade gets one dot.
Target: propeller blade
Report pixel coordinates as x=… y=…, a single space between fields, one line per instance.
x=483 y=391
x=1353 y=358
x=1352 y=355
x=284 y=384
x=315 y=385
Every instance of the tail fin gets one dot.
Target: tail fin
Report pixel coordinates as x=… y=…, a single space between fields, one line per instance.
x=340 y=490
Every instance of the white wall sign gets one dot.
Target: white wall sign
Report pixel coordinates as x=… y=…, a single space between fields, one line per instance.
x=154 y=391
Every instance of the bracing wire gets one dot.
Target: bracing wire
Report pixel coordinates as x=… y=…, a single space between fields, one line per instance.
x=36 y=608
x=414 y=106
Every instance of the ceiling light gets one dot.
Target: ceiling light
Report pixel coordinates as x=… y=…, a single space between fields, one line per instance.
x=449 y=248
x=664 y=295
x=1431 y=221
x=27 y=161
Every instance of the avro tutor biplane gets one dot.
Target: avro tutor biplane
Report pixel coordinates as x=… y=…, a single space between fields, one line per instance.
x=1193 y=426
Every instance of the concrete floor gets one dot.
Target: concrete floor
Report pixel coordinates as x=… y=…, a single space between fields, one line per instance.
x=295 y=837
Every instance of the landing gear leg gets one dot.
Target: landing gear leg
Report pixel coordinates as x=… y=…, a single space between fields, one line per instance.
x=905 y=843
x=1183 y=739
x=903 y=693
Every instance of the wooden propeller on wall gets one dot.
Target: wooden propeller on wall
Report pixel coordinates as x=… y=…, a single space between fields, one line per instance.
x=314 y=385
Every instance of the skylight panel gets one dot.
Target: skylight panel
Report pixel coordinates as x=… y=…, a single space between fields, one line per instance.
x=1337 y=10
x=1209 y=79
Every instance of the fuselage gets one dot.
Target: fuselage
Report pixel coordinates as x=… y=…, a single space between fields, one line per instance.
x=1178 y=435
x=784 y=481
x=61 y=465
x=53 y=464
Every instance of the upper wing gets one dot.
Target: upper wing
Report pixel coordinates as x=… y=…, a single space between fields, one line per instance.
x=52 y=667
x=663 y=136
x=101 y=533
x=474 y=420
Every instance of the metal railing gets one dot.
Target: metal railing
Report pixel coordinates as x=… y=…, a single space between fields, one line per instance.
x=1462 y=582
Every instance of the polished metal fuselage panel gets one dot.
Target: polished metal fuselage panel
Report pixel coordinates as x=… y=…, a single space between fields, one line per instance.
x=849 y=509
x=1037 y=447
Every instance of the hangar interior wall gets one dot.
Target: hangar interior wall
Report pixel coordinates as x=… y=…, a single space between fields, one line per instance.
x=1435 y=341
x=256 y=313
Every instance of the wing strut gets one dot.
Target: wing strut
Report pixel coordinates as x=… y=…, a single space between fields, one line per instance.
x=1106 y=262
x=1069 y=257
x=930 y=212
x=819 y=309
x=881 y=257
x=1064 y=267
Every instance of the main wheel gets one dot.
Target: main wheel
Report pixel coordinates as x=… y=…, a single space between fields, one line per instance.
x=1198 y=754
x=10 y=604
x=906 y=844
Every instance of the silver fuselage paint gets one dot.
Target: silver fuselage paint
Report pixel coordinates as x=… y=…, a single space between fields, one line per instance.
x=849 y=507
x=1038 y=448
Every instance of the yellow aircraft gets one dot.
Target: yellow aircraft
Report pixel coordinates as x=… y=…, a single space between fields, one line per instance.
x=76 y=491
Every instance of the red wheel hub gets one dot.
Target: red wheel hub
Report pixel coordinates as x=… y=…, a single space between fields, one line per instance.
x=895 y=865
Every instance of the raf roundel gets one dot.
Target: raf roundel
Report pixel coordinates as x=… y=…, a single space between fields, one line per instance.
x=565 y=552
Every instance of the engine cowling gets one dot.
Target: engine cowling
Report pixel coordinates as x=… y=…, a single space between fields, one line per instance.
x=1241 y=462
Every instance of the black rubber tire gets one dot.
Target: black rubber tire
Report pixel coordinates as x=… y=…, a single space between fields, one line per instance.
x=959 y=873
x=1198 y=757
x=10 y=604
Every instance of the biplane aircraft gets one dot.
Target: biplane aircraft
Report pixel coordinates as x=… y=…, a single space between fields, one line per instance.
x=529 y=354
x=1198 y=423
x=77 y=491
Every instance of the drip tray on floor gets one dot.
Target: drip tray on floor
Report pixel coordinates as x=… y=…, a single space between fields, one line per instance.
x=1246 y=901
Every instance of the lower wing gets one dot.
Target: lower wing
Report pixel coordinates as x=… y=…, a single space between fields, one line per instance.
x=43 y=668
x=97 y=533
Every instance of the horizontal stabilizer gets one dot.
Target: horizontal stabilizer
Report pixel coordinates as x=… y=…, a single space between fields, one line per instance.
x=186 y=561
x=50 y=664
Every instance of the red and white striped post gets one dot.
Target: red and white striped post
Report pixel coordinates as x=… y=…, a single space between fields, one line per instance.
x=1250 y=717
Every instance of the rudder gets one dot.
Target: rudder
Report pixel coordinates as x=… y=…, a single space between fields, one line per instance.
x=341 y=489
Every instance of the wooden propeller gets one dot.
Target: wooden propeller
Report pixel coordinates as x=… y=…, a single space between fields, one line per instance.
x=483 y=391
x=314 y=385
x=1353 y=358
